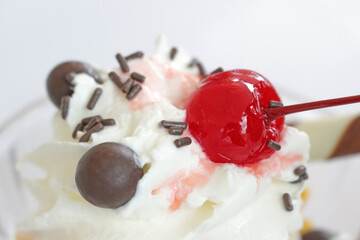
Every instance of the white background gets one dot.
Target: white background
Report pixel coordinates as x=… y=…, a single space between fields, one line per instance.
x=309 y=49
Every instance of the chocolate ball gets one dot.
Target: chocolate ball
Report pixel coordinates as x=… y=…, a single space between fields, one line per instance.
x=107 y=175
x=58 y=86
x=317 y=235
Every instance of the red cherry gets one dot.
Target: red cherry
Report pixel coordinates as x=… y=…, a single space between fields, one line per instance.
x=229 y=115
x=225 y=115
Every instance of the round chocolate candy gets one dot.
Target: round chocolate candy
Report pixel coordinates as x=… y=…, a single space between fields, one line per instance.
x=58 y=82
x=317 y=235
x=107 y=175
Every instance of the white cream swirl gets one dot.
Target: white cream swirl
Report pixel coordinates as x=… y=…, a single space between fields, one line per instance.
x=183 y=195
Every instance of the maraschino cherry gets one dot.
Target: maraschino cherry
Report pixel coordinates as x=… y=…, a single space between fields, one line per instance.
x=237 y=117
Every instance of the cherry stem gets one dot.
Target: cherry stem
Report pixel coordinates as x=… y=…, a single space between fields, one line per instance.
x=274 y=113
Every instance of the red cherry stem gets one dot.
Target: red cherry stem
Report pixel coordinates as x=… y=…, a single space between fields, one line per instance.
x=274 y=113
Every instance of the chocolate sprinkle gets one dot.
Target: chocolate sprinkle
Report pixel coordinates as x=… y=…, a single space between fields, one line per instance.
x=176 y=130
x=218 y=70
x=275 y=104
x=94 y=98
x=92 y=123
x=173 y=53
x=300 y=170
x=97 y=128
x=122 y=62
x=274 y=145
x=86 y=137
x=79 y=127
x=57 y=83
x=107 y=175
x=302 y=177
x=127 y=86
x=168 y=124
x=135 y=89
x=287 y=202
x=88 y=119
x=108 y=122
x=137 y=77
x=305 y=176
x=64 y=106
x=116 y=79
x=134 y=55
x=181 y=142
x=201 y=68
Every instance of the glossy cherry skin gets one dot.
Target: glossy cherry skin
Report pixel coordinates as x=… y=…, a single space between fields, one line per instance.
x=225 y=115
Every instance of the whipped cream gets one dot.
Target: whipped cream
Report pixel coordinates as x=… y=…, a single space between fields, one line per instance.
x=183 y=195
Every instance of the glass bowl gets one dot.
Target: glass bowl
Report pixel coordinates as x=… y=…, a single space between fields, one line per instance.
x=334 y=184
x=20 y=134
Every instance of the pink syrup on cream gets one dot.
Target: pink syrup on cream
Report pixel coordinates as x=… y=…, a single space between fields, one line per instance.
x=165 y=83
x=162 y=82
x=274 y=165
x=186 y=181
x=277 y=163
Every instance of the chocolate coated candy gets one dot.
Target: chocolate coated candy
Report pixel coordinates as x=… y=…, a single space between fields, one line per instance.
x=107 y=175
x=317 y=235
x=57 y=84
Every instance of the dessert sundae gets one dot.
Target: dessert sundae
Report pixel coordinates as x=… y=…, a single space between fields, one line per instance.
x=156 y=148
